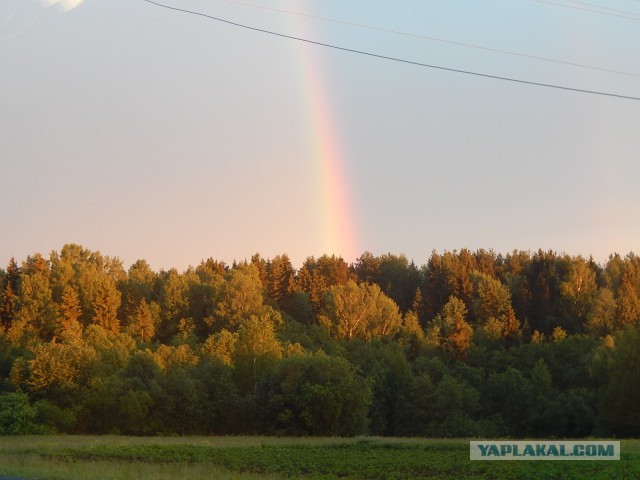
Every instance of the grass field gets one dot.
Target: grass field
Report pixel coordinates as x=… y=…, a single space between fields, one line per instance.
x=247 y=458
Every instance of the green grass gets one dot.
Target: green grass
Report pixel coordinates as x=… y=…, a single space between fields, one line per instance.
x=247 y=458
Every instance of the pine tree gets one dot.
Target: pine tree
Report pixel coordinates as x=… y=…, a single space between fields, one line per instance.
x=106 y=308
x=142 y=325
x=628 y=300
x=70 y=312
x=280 y=278
x=9 y=297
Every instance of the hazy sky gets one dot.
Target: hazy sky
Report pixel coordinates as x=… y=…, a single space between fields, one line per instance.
x=148 y=133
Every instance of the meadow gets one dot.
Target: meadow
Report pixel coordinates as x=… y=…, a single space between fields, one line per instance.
x=272 y=458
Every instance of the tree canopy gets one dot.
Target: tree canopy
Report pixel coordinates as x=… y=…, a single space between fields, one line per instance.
x=472 y=343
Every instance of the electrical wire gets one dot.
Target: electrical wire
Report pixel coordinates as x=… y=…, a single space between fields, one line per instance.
x=435 y=39
x=584 y=9
x=593 y=5
x=394 y=59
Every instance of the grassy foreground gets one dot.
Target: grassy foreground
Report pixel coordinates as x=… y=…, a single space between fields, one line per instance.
x=247 y=458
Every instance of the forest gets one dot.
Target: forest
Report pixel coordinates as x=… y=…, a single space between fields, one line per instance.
x=472 y=344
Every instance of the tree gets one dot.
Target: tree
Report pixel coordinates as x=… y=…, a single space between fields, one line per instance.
x=70 y=312
x=629 y=299
x=316 y=276
x=86 y=272
x=139 y=285
x=446 y=275
x=59 y=366
x=256 y=350
x=450 y=330
x=601 y=320
x=180 y=357
x=411 y=333
x=399 y=279
x=280 y=279
x=578 y=289
x=612 y=274
x=9 y=294
x=452 y=404
x=174 y=303
x=385 y=367
x=17 y=416
x=114 y=349
x=261 y=264
x=507 y=394
x=359 y=311
x=142 y=325
x=512 y=272
x=541 y=378
x=211 y=270
x=224 y=410
x=621 y=410
x=311 y=282
x=240 y=297
x=106 y=308
x=491 y=309
x=334 y=269
x=220 y=346
x=183 y=410
x=99 y=407
x=367 y=268
x=622 y=277
x=134 y=408
x=543 y=276
x=201 y=302
x=35 y=311
x=315 y=395
x=395 y=276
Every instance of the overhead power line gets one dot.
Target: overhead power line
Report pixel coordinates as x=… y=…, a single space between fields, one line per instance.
x=601 y=7
x=435 y=39
x=393 y=59
x=633 y=16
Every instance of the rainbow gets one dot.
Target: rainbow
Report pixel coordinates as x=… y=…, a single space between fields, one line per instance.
x=336 y=210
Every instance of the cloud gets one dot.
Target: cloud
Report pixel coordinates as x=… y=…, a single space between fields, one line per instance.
x=64 y=5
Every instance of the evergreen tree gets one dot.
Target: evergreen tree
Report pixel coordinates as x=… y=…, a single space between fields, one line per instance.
x=142 y=326
x=9 y=297
x=106 y=308
x=629 y=299
x=280 y=279
x=70 y=312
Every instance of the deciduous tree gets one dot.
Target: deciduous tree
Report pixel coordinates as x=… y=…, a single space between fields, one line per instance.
x=359 y=311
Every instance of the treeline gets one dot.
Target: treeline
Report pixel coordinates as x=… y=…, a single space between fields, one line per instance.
x=470 y=344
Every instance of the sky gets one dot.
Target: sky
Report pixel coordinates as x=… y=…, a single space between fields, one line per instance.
x=149 y=133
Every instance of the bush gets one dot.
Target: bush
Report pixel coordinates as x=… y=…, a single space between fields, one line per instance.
x=315 y=395
x=17 y=416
